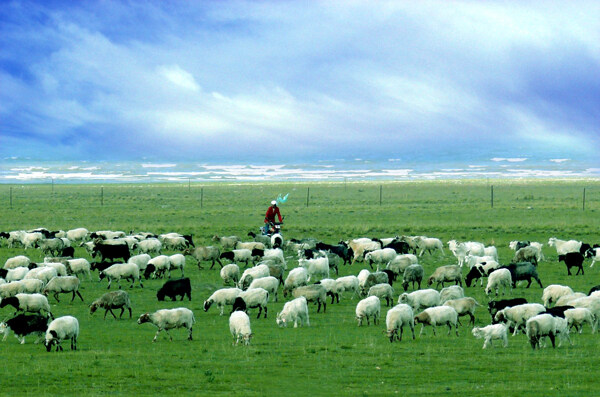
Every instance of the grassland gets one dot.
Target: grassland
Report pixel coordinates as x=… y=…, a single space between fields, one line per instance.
x=333 y=356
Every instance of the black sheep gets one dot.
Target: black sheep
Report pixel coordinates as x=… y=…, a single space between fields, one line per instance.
x=174 y=288
x=572 y=259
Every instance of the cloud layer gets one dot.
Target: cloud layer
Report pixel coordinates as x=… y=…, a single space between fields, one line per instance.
x=283 y=80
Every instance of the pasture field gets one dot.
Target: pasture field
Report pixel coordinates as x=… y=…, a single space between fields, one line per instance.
x=333 y=356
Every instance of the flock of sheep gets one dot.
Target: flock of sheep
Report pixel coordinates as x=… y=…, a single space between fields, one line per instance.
x=25 y=285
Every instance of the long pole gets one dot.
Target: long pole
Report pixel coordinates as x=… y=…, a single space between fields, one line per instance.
x=102 y=196
x=307 y=195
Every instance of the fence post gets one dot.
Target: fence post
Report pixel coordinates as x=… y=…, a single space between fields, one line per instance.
x=492 y=196
x=583 y=199
x=307 y=195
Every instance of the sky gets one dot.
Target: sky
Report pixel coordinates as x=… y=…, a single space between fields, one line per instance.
x=299 y=80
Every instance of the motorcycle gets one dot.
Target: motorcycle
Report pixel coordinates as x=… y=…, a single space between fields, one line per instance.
x=271 y=228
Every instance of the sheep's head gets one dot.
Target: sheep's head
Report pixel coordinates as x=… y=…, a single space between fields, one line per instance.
x=51 y=340
x=144 y=318
x=477 y=332
x=207 y=304
x=93 y=307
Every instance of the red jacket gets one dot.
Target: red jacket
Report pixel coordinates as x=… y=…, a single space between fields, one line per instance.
x=270 y=215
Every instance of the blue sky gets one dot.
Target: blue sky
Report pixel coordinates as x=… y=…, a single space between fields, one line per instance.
x=285 y=80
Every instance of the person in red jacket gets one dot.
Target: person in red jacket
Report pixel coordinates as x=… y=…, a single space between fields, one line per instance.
x=270 y=215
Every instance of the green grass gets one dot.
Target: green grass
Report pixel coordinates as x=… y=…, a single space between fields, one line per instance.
x=333 y=356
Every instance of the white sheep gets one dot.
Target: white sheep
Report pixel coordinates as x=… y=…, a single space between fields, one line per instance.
x=250 y=245
x=8 y=290
x=519 y=314
x=499 y=278
x=567 y=299
x=112 y=300
x=52 y=246
x=472 y=260
x=253 y=273
x=464 y=307
x=420 y=299
x=238 y=255
x=166 y=319
x=332 y=288
x=43 y=273
x=17 y=261
x=177 y=261
x=228 y=242
x=553 y=292
x=230 y=273
x=366 y=308
x=222 y=297
x=275 y=254
x=563 y=247
x=438 y=315
x=30 y=240
x=79 y=266
x=31 y=286
x=578 y=316
x=539 y=326
x=382 y=291
x=63 y=285
x=595 y=256
x=256 y=297
x=16 y=274
x=589 y=302
x=317 y=267
x=239 y=326
x=360 y=246
x=380 y=256
x=150 y=246
x=313 y=293
x=79 y=234
x=452 y=292
x=34 y=303
x=161 y=265
x=61 y=269
x=429 y=244
x=295 y=311
x=413 y=274
x=401 y=262
x=444 y=274
x=295 y=278
x=362 y=276
x=347 y=283
x=62 y=328
x=396 y=318
x=116 y=272
x=491 y=332
x=270 y=284
x=140 y=260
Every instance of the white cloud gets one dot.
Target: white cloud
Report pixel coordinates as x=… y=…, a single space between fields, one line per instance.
x=179 y=77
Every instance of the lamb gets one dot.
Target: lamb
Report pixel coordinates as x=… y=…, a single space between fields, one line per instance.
x=230 y=273
x=150 y=246
x=33 y=303
x=227 y=242
x=518 y=315
x=166 y=319
x=429 y=244
x=461 y=250
x=572 y=259
x=499 y=278
x=222 y=297
x=297 y=277
x=526 y=254
x=347 y=283
x=174 y=288
x=62 y=328
x=15 y=274
x=17 y=261
x=239 y=326
x=589 y=302
x=395 y=320
x=413 y=274
x=538 y=327
x=438 y=315
x=380 y=256
x=112 y=300
x=491 y=332
x=177 y=261
x=313 y=293
x=158 y=267
x=421 y=299
x=464 y=306
x=318 y=267
x=443 y=274
x=270 y=284
x=368 y=307
x=79 y=266
x=382 y=291
x=203 y=254
x=256 y=297
x=563 y=247
x=23 y=325
x=238 y=255
x=295 y=311
x=578 y=316
x=252 y=274
x=553 y=292
x=127 y=271
x=452 y=292
x=63 y=285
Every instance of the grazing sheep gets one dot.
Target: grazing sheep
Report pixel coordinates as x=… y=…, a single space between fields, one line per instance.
x=526 y=254
x=373 y=279
x=475 y=273
x=295 y=311
x=399 y=264
x=33 y=303
x=317 y=267
x=348 y=283
x=227 y=242
x=203 y=254
x=112 y=300
x=464 y=306
x=538 y=327
x=79 y=234
x=553 y=292
x=380 y=256
x=313 y=293
x=420 y=299
x=518 y=315
x=61 y=269
x=116 y=272
x=16 y=274
x=253 y=273
x=62 y=328
x=10 y=289
x=368 y=307
x=249 y=245
x=31 y=286
x=452 y=292
x=238 y=255
x=429 y=244
x=413 y=274
x=230 y=273
x=261 y=238
x=222 y=297
x=444 y=274
x=79 y=266
x=589 y=302
x=567 y=299
x=174 y=288
x=23 y=325
x=331 y=288
x=572 y=259
x=382 y=291
x=523 y=271
x=395 y=320
x=578 y=316
x=140 y=260
x=43 y=273
x=166 y=319
x=499 y=278
x=158 y=267
x=472 y=260
x=491 y=332
x=17 y=261
x=270 y=284
x=239 y=326
x=495 y=306
x=297 y=277
x=150 y=246
x=63 y=285
x=256 y=297
x=563 y=247
x=438 y=315
x=51 y=246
